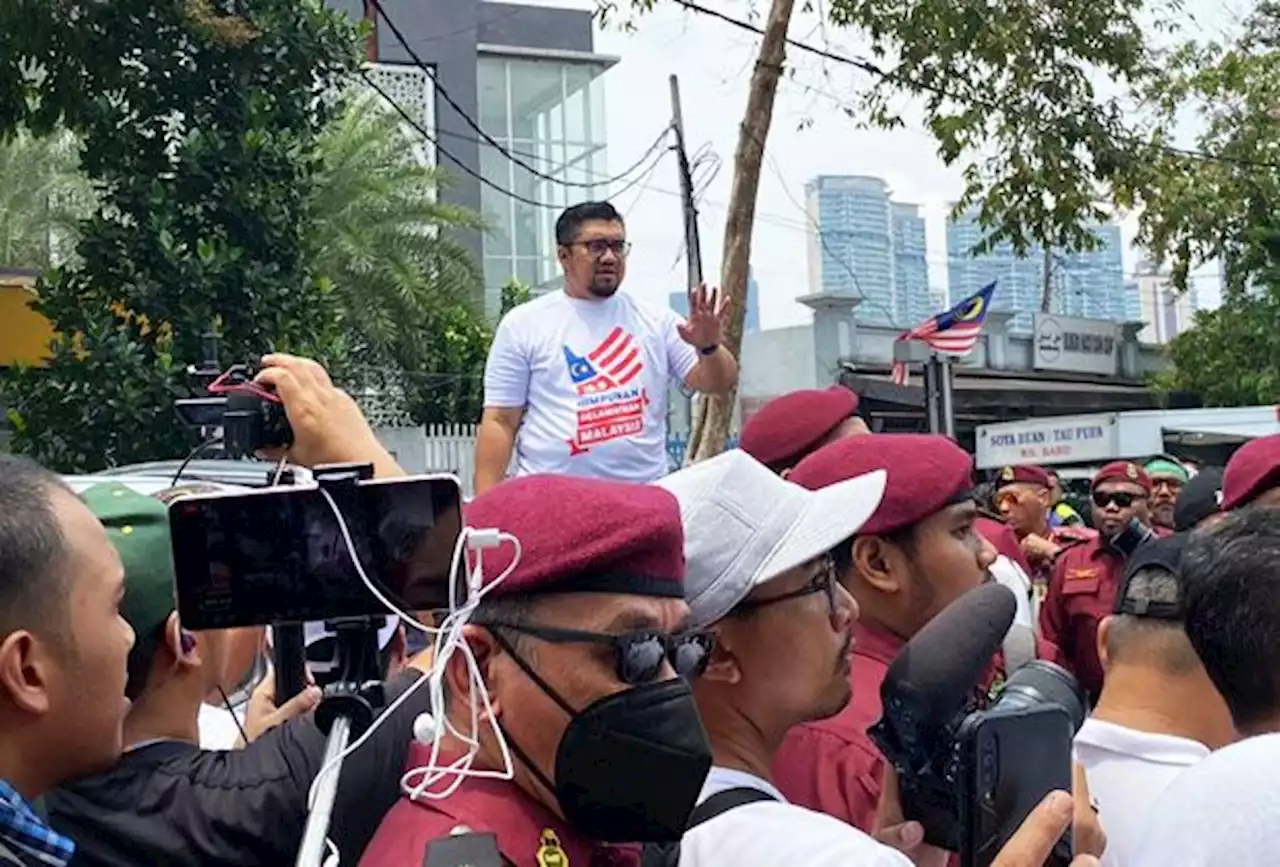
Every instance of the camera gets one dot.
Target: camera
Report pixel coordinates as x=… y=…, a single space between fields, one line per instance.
x=244 y=416
x=973 y=778
x=1126 y=541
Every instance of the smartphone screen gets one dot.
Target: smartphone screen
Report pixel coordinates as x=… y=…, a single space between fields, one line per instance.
x=1009 y=761
x=280 y=555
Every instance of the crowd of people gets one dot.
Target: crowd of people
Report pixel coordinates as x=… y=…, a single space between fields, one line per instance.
x=655 y=668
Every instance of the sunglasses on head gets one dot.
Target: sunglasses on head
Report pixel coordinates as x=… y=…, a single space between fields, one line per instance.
x=640 y=653
x=1123 y=499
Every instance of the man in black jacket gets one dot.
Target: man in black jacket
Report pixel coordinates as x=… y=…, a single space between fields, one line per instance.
x=169 y=802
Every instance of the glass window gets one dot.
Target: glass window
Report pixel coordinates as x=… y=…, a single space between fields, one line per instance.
x=492 y=96
x=497 y=270
x=536 y=88
x=527 y=270
x=577 y=87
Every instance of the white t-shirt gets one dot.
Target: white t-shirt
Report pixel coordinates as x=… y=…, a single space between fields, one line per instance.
x=1224 y=812
x=592 y=377
x=1127 y=770
x=218 y=728
x=775 y=833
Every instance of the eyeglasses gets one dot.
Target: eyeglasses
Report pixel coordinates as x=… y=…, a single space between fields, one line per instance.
x=597 y=247
x=1123 y=499
x=640 y=653
x=823 y=582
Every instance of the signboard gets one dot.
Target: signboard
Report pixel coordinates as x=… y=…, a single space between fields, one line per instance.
x=1074 y=345
x=1066 y=440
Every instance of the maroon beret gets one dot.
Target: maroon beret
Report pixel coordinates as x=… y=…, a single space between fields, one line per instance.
x=609 y=537
x=1122 y=471
x=1029 y=474
x=926 y=473
x=791 y=425
x=1252 y=470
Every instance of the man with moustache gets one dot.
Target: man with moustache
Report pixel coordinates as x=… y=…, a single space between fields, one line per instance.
x=1167 y=480
x=1024 y=499
x=917 y=554
x=576 y=381
x=1084 y=580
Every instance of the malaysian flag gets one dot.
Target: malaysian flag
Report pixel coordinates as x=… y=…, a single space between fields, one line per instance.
x=612 y=364
x=952 y=332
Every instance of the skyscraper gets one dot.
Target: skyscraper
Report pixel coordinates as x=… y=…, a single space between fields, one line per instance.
x=850 y=251
x=1088 y=284
x=910 y=266
x=1165 y=311
x=679 y=302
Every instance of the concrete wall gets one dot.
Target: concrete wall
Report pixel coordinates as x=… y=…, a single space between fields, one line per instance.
x=445 y=35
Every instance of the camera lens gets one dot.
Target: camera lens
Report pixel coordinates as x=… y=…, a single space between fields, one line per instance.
x=1040 y=683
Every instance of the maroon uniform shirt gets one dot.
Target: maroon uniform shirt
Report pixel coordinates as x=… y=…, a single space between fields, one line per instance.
x=1082 y=590
x=522 y=826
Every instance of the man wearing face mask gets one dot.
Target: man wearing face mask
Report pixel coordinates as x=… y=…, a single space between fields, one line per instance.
x=1085 y=579
x=588 y=736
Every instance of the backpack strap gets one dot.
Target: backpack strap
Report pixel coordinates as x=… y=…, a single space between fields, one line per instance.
x=722 y=802
x=668 y=854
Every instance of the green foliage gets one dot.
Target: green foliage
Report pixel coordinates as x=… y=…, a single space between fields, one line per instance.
x=407 y=287
x=1232 y=355
x=1007 y=88
x=197 y=129
x=1195 y=210
x=42 y=197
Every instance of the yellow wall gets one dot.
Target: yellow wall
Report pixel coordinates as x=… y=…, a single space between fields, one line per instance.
x=24 y=334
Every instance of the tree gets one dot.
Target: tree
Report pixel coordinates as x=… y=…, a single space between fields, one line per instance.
x=42 y=197
x=197 y=130
x=380 y=237
x=1218 y=202
x=1006 y=88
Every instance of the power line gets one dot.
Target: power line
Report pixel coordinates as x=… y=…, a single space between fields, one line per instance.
x=490 y=140
x=889 y=75
x=412 y=122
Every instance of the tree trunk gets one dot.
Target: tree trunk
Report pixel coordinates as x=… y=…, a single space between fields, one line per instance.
x=713 y=413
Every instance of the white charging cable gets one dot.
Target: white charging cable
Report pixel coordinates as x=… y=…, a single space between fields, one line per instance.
x=448 y=640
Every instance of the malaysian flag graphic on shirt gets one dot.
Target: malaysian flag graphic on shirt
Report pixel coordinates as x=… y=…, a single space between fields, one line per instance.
x=951 y=332
x=611 y=394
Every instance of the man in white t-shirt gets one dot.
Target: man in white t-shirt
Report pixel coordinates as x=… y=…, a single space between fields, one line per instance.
x=576 y=381
x=760 y=576
x=1158 y=713
x=1226 y=810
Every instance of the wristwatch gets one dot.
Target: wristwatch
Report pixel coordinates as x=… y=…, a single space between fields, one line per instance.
x=709 y=350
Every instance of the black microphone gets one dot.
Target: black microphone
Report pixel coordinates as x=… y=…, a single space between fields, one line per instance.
x=935 y=674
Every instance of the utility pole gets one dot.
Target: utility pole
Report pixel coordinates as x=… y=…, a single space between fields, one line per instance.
x=692 y=244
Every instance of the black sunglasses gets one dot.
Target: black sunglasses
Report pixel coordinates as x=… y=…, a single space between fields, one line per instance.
x=1123 y=499
x=823 y=582
x=640 y=653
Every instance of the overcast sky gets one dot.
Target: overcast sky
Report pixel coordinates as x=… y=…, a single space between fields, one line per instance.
x=713 y=60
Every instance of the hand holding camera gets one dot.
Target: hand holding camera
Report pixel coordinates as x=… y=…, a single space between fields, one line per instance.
x=328 y=426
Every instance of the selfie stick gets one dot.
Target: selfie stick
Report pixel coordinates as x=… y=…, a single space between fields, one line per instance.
x=350 y=703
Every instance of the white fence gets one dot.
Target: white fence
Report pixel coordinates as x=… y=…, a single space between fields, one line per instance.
x=451 y=448
x=437 y=448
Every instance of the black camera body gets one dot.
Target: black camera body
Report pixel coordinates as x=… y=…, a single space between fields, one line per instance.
x=249 y=416
x=939 y=766
x=1127 y=540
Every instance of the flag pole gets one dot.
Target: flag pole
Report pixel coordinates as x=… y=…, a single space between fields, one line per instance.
x=946 y=401
x=933 y=393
